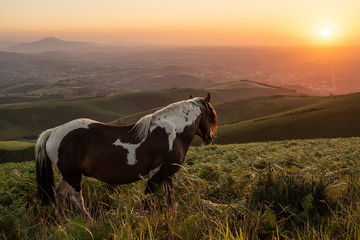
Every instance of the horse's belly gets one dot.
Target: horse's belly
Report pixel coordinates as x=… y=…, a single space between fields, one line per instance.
x=118 y=163
x=117 y=175
x=114 y=169
x=118 y=180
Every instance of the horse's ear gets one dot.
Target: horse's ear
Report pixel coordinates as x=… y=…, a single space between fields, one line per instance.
x=207 y=99
x=190 y=97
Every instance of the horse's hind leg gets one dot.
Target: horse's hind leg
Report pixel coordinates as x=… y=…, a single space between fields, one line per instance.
x=77 y=198
x=62 y=190
x=76 y=193
x=72 y=173
x=73 y=179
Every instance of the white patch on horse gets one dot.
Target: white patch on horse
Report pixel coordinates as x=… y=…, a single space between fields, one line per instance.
x=173 y=119
x=152 y=172
x=58 y=133
x=131 y=148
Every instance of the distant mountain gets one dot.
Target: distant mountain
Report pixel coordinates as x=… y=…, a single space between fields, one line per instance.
x=50 y=44
x=6 y=44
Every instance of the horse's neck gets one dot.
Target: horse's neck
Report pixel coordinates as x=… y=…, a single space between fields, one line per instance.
x=180 y=124
x=177 y=120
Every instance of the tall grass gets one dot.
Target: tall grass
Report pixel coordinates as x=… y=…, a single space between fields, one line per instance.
x=278 y=190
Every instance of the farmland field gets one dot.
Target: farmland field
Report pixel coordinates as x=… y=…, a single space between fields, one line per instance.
x=298 y=189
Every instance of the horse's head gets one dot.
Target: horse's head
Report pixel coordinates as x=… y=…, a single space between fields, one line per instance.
x=208 y=121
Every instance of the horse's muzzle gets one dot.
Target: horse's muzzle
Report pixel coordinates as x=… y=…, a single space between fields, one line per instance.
x=208 y=139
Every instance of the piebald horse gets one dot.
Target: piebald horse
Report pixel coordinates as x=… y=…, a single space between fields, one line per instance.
x=154 y=148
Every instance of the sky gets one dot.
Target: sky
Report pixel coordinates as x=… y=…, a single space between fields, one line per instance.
x=184 y=22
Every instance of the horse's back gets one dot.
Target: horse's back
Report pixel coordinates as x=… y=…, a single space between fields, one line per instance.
x=60 y=132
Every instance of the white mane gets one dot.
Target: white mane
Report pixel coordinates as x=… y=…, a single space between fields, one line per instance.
x=175 y=111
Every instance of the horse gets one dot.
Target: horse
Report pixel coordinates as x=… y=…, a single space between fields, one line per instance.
x=153 y=148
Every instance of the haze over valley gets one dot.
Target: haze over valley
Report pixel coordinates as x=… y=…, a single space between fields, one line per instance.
x=56 y=69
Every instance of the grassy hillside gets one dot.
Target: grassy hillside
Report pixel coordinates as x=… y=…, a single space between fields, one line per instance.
x=244 y=109
x=336 y=116
x=236 y=90
x=305 y=189
x=247 y=84
x=27 y=120
x=15 y=151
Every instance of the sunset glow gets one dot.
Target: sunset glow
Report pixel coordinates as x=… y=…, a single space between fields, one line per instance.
x=186 y=22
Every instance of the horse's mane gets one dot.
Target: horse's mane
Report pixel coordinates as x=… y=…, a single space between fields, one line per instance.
x=142 y=127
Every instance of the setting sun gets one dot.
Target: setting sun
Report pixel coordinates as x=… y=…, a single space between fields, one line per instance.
x=326 y=32
x=329 y=32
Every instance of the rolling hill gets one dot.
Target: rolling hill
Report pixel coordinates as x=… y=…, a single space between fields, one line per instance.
x=245 y=109
x=243 y=117
x=336 y=116
x=27 y=120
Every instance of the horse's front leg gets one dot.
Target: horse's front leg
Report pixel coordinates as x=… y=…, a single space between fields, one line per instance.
x=164 y=176
x=153 y=185
x=169 y=191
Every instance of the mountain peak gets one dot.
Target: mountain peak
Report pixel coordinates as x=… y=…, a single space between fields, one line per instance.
x=50 y=44
x=50 y=39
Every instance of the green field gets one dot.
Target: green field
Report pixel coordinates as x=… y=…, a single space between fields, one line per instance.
x=304 y=189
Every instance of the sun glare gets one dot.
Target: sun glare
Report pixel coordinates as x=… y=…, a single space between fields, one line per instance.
x=326 y=32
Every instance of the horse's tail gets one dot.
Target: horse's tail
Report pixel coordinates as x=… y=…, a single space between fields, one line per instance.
x=44 y=169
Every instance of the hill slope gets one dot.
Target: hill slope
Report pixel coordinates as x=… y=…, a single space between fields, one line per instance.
x=334 y=117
